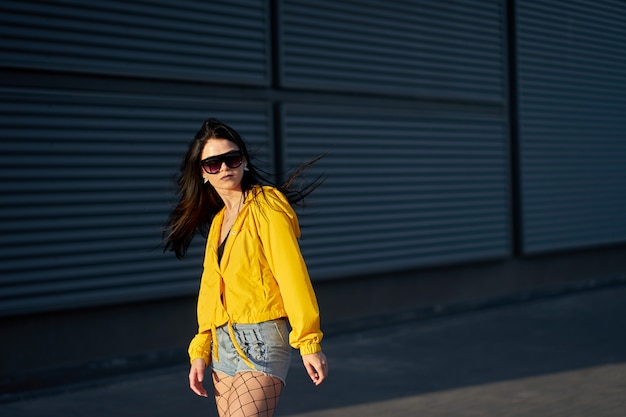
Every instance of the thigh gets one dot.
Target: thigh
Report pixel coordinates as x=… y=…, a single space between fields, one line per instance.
x=254 y=394
x=222 y=386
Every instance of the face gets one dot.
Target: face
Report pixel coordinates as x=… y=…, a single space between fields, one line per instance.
x=226 y=179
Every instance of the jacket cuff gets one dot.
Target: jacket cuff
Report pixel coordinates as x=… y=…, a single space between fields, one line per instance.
x=309 y=349
x=200 y=347
x=199 y=353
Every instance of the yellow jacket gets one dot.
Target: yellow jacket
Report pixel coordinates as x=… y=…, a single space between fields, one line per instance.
x=262 y=275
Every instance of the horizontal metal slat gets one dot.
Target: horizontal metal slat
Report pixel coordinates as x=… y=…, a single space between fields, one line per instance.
x=135 y=39
x=572 y=80
x=398 y=48
x=393 y=204
x=85 y=198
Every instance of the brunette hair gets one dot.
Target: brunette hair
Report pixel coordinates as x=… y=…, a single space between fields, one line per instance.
x=199 y=201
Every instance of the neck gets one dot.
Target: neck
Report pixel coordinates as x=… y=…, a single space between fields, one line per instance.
x=233 y=201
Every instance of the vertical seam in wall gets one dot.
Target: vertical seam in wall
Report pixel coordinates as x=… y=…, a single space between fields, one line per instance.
x=274 y=33
x=278 y=142
x=514 y=156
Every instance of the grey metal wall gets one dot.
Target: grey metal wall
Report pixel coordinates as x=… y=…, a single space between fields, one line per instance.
x=572 y=123
x=86 y=184
x=404 y=189
x=86 y=168
x=101 y=98
x=216 y=41
x=417 y=183
x=418 y=48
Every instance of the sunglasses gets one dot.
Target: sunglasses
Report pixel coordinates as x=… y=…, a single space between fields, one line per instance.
x=212 y=165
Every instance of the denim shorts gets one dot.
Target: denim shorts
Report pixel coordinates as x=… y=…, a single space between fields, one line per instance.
x=265 y=344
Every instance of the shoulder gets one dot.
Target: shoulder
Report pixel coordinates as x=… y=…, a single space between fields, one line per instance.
x=270 y=203
x=270 y=197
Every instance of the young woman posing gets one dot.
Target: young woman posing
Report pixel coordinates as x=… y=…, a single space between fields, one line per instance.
x=255 y=284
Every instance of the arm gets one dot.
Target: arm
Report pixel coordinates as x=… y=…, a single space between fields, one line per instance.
x=279 y=232
x=199 y=356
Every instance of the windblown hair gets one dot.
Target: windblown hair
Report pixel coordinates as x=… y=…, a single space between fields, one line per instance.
x=199 y=202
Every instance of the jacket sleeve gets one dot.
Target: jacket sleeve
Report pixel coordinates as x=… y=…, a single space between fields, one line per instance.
x=279 y=232
x=200 y=347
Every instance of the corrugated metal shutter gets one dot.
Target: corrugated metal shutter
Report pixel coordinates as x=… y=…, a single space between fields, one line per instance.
x=217 y=41
x=425 y=47
x=572 y=123
x=403 y=190
x=86 y=182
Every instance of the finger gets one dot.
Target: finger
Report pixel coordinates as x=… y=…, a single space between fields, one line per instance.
x=310 y=369
x=322 y=372
x=316 y=373
x=321 y=376
x=200 y=391
x=195 y=382
x=198 y=388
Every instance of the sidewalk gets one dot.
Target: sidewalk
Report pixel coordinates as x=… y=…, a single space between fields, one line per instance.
x=561 y=356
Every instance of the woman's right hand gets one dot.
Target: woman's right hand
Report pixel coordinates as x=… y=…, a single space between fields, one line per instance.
x=196 y=376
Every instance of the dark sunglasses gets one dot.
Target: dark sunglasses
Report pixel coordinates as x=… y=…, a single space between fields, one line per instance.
x=212 y=165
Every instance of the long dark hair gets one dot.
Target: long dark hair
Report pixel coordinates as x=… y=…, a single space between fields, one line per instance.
x=199 y=201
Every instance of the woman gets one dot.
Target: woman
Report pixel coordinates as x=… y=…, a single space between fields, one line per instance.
x=254 y=281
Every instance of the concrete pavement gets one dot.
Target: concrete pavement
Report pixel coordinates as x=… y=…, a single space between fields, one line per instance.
x=557 y=356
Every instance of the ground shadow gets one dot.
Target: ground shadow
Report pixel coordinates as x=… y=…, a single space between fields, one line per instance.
x=508 y=342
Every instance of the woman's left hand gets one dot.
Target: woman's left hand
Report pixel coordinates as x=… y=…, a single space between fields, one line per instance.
x=316 y=366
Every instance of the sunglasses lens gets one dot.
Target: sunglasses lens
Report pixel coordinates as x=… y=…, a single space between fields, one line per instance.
x=233 y=161
x=213 y=167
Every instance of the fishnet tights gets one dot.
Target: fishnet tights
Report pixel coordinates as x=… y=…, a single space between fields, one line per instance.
x=247 y=394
